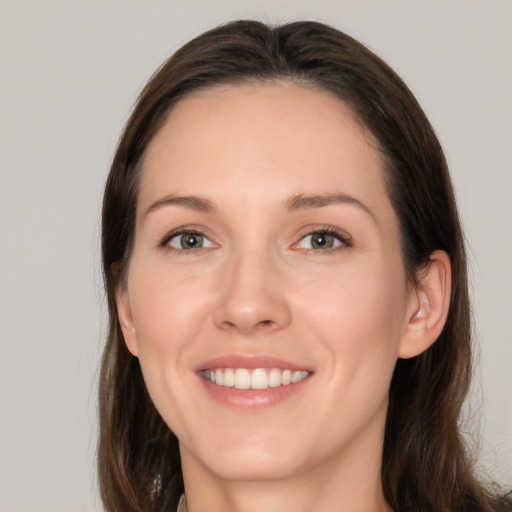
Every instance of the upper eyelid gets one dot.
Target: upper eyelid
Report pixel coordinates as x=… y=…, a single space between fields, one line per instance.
x=342 y=235
x=339 y=243
x=330 y=230
x=183 y=230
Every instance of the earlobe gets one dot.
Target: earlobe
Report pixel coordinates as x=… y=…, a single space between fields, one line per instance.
x=124 y=314
x=429 y=305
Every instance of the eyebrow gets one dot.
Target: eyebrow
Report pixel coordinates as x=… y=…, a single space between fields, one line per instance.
x=304 y=202
x=189 y=202
x=297 y=202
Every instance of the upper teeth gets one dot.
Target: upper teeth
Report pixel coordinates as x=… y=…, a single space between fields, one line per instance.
x=259 y=378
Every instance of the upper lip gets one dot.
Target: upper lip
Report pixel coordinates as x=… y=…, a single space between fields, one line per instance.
x=251 y=362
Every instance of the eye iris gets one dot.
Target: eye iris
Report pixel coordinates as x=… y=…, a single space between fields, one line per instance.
x=321 y=241
x=191 y=241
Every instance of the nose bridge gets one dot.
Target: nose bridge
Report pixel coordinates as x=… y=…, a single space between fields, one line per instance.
x=251 y=274
x=252 y=294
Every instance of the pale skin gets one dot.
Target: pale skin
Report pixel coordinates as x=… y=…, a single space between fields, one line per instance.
x=294 y=257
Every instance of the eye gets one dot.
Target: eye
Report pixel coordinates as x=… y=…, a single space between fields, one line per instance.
x=188 y=240
x=323 y=240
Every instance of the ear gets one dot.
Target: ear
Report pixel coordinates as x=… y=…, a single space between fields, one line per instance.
x=124 y=314
x=429 y=305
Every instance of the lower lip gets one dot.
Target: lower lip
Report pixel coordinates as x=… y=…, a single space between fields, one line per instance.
x=252 y=399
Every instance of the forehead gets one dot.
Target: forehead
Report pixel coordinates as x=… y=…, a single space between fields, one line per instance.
x=261 y=107
x=266 y=139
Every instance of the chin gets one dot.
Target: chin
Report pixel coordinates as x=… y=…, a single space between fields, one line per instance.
x=263 y=469
x=248 y=462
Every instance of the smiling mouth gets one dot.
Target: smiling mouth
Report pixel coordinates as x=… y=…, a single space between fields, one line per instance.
x=258 y=378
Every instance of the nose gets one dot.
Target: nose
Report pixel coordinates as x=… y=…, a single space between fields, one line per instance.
x=252 y=296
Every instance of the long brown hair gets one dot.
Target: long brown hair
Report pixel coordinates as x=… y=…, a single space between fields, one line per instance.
x=425 y=464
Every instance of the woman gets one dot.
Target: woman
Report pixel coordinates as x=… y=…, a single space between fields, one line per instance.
x=289 y=319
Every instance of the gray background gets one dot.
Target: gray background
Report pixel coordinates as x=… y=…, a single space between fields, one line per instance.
x=70 y=71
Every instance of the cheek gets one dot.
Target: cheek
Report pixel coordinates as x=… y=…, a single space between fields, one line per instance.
x=165 y=307
x=362 y=295
x=358 y=314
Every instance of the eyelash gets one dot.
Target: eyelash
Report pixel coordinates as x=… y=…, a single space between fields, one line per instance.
x=180 y=232
x=345 y=240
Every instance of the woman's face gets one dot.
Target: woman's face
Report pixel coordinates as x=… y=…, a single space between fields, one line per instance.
x=266 y=258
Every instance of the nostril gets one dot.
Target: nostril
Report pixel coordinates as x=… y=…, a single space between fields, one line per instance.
x=237 y=309
x=228 y=325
